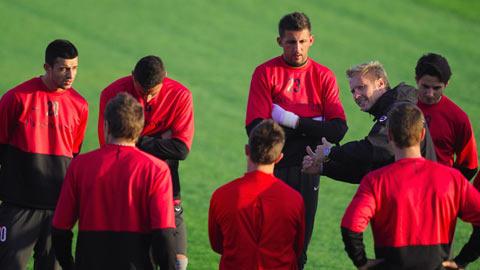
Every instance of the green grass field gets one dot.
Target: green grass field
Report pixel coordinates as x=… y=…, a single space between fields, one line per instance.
x=213 y=46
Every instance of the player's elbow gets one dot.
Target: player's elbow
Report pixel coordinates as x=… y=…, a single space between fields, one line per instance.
x=339 y=129
x=182 y=151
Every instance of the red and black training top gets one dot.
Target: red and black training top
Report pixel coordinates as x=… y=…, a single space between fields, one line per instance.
x=452 y=135
x=40 y=131
x=171 y=110
x=253 y=226
x=310 y=91
x=413 y=205
x=120 y=197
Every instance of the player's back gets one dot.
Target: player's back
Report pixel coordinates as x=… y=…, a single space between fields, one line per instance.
x=119 y=191
x=261 y=220
x=417 y=202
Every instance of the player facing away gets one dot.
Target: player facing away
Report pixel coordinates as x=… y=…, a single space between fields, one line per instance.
x=449 y=125
x=413 y=205
x=302 y=96
x=42 y=125
x=351 y=161
x=122 y=199
x=168 y=131
x=257 y=221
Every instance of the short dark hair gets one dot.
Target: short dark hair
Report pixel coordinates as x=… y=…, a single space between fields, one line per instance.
x=405 y=124
x=124 y=116
x=434 y=65
x=266 y=142
x=149 y=71
x=60 y=48
x=296 y=21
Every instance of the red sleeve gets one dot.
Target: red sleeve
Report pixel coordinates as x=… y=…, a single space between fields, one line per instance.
x=361 y=208
x=9 y=113
x=333 y=106
x=183 y=126
x=67 y=210
x=300 y=238
x=162 y=215
x=259 y=103
x=470 y=203
x=466 y=147
x=214 y=231
x=81 y=130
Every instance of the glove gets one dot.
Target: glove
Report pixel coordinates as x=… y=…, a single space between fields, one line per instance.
x=283 y=117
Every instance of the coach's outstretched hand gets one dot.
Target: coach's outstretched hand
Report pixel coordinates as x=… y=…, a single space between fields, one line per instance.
x=312 y=162
x=451 y=265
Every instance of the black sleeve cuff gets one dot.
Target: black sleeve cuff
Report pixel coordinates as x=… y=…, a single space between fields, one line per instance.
x=163 y=148
x=62 y=245
x=333 y=130
x=471 y=250
x=163 y=248
x=354 y=247
x=468 y=173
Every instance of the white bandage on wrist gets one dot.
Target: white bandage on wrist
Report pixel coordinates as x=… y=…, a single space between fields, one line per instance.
x=290 y=119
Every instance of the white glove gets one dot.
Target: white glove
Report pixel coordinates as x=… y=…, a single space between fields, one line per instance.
x=283 y=117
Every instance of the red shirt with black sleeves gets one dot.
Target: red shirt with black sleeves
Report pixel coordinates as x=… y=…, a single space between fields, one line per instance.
x=40 y=132
x=119 y=195
x=413 y=205
x=310 y=91
x=253 y=226
x=452 y=134
x=171 y=110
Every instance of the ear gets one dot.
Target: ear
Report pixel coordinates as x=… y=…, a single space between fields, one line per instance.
x=380 y=83
x=278 y=158
x=247 y=150
x=312 y=39
x=422 y=136
x=46 y=67
x=279 y=41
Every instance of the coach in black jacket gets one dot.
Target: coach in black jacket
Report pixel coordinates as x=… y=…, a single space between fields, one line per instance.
x=351 y=161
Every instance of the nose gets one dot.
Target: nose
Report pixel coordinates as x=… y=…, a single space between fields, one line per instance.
x=429 y=91
x=69 y=73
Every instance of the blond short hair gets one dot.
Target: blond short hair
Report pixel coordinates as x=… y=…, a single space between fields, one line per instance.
x=372 y=70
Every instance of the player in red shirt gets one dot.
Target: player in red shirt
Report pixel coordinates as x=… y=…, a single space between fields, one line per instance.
x=168 y=131
x=42 y=125
x=122 y=199
x=413 y=205
x=257 y=221
x=302 y=96
x=449 y=125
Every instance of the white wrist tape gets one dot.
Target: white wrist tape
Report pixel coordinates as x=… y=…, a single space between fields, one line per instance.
x=290 y=119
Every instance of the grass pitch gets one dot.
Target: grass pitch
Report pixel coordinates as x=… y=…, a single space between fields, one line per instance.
x=213 y=46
